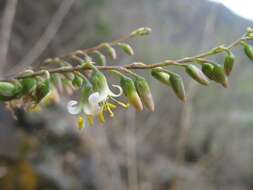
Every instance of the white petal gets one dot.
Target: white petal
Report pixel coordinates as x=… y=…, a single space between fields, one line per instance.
x=93 y=109
x=94 y=98
x=118 y=94
x=73 y=107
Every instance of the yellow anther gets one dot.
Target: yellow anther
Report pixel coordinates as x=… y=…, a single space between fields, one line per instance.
x=80 y=123
x=111 y=114
x=111 y=106
x=90 y=120
x=101 y=117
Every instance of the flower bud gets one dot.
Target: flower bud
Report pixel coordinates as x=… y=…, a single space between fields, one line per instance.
x=229 y=63
x=77 y=81
x=126 y=48
x=207 y=69
x=220 y=76
x=101 y=59
x=177 y=86
x=197 y=74
x=144 y=93
x=142 y=31
x=28 y=85
x=248 y=50
x=111 y=51
x=130 y=92
x=8 y=91
x=98 y=81
x=161 y=76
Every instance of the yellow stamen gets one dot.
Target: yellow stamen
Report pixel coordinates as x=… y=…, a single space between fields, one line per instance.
x=101 y=117
x=122 y=104
x=111 y=106
x=80 y=123
x=111 y=114
x=90 y=120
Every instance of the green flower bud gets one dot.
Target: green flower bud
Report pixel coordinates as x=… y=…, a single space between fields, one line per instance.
x=77 y=81
x=161 y=76
x=98 y=81
x=207 y=69
x=144 y=93
x=111 y=51
x=220 y=76
x=9 y=91
x=177 y=86
x=28 y=84
x=142 y=31
x=229 y=63
x=130 y=92
x=197 y=74
x=248 y=50
x=101 y=59
x=43 y=88
x=126 y=48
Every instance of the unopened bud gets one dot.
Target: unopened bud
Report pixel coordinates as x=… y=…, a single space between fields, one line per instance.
x=207 y=69
x=197 y=74
x=101 y=59
x=126 y=48
x=161 y=76
x=77 y=81
x=130 y=92
x=8 y=91
x=229 y=63
x=144 y=93
x=220 y=76
x=142 y=31
x=248 y=50
x=111 y=51
x=177 y=86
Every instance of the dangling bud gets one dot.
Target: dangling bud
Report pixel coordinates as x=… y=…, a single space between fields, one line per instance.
x=28 y=84
x=220 y=76
x=98 y=81
x=248 y=50
x=126 y=48
x=207 y=69
x=8 y=91
x=197 y=74
x=77 y=81
x=144 y=92
x=111 y=51
x=177 y=86
x=161 y=76
x=130 y=92
x=141 y=31
x=101 y=59
x=229 y=63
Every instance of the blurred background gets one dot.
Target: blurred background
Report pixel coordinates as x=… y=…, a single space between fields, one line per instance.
x=205 y=143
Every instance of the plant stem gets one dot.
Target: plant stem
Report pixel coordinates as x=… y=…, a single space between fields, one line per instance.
x=198 y=59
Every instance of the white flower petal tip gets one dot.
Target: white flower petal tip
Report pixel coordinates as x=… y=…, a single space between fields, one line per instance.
x=119 y=93
x=73 y=107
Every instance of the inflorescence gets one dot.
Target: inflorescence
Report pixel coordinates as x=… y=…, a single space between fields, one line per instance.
x=83 y=71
